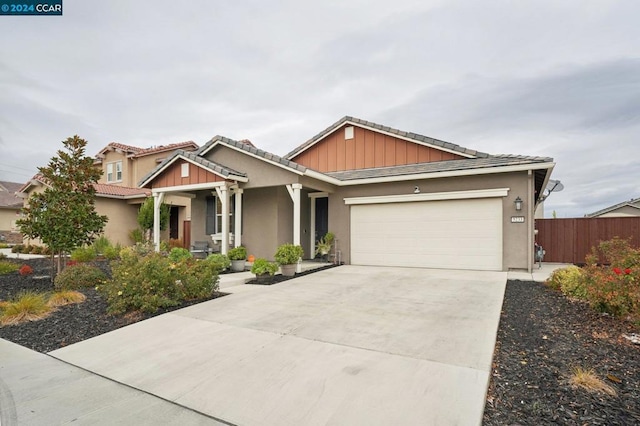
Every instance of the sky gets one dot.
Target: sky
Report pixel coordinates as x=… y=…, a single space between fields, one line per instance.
x=545 y=78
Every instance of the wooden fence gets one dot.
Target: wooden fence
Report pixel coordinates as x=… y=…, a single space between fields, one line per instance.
x=570 y=240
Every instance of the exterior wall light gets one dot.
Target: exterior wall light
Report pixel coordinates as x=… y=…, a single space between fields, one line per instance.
x=416 y=190
x=518 y=203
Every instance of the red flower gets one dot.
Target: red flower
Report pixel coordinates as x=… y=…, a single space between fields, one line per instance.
x=618 y=271
x=627 y=271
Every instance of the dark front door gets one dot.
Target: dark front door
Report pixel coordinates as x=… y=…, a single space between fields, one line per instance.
x=173 y=223
x=322 y=217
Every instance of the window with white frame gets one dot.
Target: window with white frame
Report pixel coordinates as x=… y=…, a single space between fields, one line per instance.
x=214 y=215
x=114 y=171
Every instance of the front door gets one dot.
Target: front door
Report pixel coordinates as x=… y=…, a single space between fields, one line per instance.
x=173 y=223
x=322 y=217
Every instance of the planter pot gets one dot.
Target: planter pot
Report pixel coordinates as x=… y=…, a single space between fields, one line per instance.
x=288 y=270
x=237 y=265
x=264 y=279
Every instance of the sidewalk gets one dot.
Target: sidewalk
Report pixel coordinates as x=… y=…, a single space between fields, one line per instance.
x=7 y=252
x=537 y=274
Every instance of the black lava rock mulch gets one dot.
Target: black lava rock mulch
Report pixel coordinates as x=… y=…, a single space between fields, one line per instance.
x=68 y=324
x=542 y=336
x=281 y=278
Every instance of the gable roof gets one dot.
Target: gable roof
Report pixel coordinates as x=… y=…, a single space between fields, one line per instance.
x=250 y=149
x=103 y=190
x=414 y=137
x=219 y=169
x=8 y=197
x=634 y=203
x=136 y=152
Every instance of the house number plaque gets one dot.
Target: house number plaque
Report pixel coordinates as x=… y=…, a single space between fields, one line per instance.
x=517 y=219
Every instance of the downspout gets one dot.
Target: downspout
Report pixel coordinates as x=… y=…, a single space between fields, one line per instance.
x=530 y=210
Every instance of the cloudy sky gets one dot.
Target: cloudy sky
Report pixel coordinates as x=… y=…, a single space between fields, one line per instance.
x=550 y=78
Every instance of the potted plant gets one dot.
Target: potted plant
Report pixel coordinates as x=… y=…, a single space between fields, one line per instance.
x=237 y=255
x=287 y=257
x=264 y=270
x=323 y=246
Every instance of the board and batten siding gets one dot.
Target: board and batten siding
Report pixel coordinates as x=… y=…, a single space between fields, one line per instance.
x=172 y=176
x=367 y=149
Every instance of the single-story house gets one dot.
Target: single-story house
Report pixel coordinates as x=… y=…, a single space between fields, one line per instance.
x=10 y=206
x=629 y=208
x=390 y=197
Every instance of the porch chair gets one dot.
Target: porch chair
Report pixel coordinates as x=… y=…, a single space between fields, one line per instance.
x=201 y=249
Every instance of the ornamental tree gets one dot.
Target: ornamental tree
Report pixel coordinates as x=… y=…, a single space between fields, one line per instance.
x=145 y=217
x=63 y=216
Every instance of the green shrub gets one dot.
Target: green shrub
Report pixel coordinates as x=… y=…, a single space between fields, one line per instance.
x=219 y=261
x=7 y=267
x=100 y=245
x=288 y=254
x=4 y=245
x=136 y=235
x=570 y=281
x=178 y=254
x=83 y=254
x=150 y=282
x=17 y=248
x=3 y=256
x=238 y=253
x=79 y=276
x=263 y=266
x=36 y=250
x=112 y=252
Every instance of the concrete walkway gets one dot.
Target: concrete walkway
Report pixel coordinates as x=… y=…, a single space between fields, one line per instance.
x=538 y=274
x=349 y=345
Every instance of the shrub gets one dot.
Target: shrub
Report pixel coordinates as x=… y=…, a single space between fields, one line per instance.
x=79 y=276
x=219 y=261
x=3 y=256
x=179 y=254
x=17 y=248
x=4 y=245
x=570 y=281
x=148 y=283
x=175 y=242
x=100 y=245
x=83 y=254
x=238 y=253
x=288 y=254
x=27 y=306
x=263 y=266
x=7 y=267
x=136 y=235
x=112 y=252
x=25 y=270
x=614 y=289
x=36 y=250
x=65 y=297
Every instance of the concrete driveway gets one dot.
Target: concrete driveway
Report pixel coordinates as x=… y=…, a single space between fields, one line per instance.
x=350 y=345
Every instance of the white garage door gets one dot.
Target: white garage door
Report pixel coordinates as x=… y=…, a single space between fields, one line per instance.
x=452 y=234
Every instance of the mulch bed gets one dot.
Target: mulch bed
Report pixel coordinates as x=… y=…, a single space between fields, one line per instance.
x=281 y=278
x=69 y=324
x=542 y=336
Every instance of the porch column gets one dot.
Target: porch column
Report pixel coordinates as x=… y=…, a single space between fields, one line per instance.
x=158 y=198
x=223 y=194
x=294 y=193
x=237 y=236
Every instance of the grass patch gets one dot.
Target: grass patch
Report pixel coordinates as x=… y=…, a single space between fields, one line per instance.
x=588 y=380
x=66 y=297
x=27 y=306
x=7 y=267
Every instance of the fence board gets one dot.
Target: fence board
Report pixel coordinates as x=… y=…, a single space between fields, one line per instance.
x=570 y=240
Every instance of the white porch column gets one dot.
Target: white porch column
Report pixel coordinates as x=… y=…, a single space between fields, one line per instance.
x=237 y=235
x=158 y=198
x=294 y=192
x=223 y=194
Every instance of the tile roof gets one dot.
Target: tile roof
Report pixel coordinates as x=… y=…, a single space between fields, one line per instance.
x=400 y=133
x=170 y=147
x=224 y=171
x=102 y=189
x=438 y=166
x=252 y=150
x=8 y=198
x=634 y=202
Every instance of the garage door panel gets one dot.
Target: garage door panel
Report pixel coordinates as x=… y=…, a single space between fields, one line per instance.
x=461 y=234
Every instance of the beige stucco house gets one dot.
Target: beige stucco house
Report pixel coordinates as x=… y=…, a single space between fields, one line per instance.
x=10 y=206
x=117 y=195
x=629 y=208
x=391 y=197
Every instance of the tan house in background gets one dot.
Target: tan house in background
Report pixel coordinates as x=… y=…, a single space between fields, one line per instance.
x=391 y=197
x=117 y=195
x=629 y=208
x=10 y=206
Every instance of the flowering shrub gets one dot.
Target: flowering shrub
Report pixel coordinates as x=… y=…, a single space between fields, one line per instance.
x=151 y=282
x=78 y=276
x=615 y=286
x=178 y=254
x=25 y=270
x=570 y=281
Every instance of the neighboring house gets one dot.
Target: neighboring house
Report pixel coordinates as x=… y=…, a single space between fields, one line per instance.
x=10 y=206
x=629 y=208
x=391 y=198
x=117 y=196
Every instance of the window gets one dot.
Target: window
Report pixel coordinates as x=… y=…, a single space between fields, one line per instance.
x=214 y=216
x=184 y=170
x=114 y=171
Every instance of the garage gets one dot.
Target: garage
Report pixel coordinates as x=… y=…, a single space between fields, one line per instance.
x=411 y=232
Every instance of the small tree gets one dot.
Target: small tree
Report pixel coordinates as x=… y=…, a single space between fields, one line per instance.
x=63 y=216
x=145 y=217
